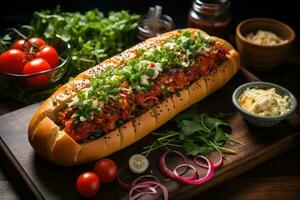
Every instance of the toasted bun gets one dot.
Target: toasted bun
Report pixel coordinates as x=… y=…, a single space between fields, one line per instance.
x=58 y=147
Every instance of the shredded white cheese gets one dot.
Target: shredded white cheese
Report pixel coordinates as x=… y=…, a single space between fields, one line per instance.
x=264 y=102
x=144 y=79
x=74 y=102
x=267 y=38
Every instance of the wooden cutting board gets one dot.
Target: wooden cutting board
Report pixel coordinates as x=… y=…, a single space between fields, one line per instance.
x=48 y=181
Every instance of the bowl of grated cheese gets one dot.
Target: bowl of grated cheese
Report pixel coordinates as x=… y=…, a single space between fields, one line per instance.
x=263 y=43
x=264 y=104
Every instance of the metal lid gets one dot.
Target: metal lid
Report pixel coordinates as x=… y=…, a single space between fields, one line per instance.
x=211 y=7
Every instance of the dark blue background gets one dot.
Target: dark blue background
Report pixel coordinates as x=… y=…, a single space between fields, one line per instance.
x=13 y=12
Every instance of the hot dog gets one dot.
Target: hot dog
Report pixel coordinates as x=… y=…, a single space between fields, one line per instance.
x=124 y=98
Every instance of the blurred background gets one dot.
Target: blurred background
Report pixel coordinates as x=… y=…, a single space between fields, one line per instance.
x=13 y=12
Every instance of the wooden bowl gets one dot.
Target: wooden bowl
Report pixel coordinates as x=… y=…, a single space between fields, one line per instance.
x=262 y=57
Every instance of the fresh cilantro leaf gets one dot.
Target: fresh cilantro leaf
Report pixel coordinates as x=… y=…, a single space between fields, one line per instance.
x=189 y=127
x=197 y=134
x=150 y=72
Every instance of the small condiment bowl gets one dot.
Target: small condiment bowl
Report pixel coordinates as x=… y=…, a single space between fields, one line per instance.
x=258 y=120
x=261 y=57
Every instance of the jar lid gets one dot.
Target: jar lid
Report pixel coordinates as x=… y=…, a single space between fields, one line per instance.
x=211 y=6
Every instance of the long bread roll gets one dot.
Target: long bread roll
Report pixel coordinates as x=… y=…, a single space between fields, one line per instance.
x=47 y=131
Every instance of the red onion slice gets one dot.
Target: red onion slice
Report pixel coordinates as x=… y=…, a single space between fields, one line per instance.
x=164 y=168
x=207 y=177
x=145 y=178
x=215 y=165
x=140 y=179
x=142 y=190
x=122 y=184
x=148 y=185
x=186 y=165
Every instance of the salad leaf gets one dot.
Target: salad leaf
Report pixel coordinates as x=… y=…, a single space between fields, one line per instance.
x=93 y=37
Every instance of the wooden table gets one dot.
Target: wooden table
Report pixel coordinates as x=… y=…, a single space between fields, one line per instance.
x=278 y=178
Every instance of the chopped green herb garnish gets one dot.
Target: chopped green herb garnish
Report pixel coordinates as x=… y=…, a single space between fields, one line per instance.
x=140 y=73
x=54 y=101
x=150 y=72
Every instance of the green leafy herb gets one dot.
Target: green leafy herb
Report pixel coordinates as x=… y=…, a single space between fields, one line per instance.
x=54 y=101
x=92 y=35
x=197 y=134
x=150 y=72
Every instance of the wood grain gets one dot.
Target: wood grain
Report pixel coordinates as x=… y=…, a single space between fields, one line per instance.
x=7 y=190
x=258 y=188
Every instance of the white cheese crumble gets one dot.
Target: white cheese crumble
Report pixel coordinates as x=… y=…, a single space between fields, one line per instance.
x=267 y=38
x=144 y=79
x=264 y=102
x=74 y=101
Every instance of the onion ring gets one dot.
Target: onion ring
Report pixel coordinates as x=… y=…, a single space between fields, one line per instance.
x=209 y=174
x=215 y=165
x=166 y=171
x=147 y=185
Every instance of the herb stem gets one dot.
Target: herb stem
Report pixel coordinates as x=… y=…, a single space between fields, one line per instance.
x=86 y=60
x=226 y=150
x=236 y=141
x=175 y=145
x=19 y=33
x=217 y=148
x=2 y=48
x=167 y=136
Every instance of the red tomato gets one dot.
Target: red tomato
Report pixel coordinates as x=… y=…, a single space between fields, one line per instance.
x=36 y=65
x=88 y=184
x=36 y=42
x=32 y=42
x=12 y=61
x=18 y=45
x=49 y=54
x=106 y=169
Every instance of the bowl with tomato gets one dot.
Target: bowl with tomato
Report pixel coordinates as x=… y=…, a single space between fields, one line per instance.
x=34 y=63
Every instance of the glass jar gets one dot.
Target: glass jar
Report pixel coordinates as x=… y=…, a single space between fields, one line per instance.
x=151 y=27
x=211 y=16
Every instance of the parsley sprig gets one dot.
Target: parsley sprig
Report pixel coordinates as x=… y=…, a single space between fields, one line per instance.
x=196 y=133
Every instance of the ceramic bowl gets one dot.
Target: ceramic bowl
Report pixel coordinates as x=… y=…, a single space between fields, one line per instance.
x=258 y=120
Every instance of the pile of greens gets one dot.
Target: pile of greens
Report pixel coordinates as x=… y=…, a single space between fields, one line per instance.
x=196 y=134
x=93 y=38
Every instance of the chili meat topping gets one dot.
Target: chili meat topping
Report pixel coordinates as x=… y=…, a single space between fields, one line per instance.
x=120 y=94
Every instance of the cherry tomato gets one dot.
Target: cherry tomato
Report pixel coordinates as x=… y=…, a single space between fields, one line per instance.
x=49 y=54
x=12 y=61
x=36 y=42
x=25 y=46
x=36 y=65
x=106 y=169
x=18 y=45
x=88 y=184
